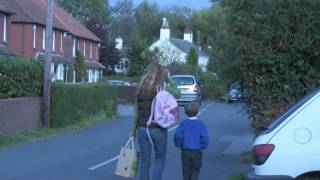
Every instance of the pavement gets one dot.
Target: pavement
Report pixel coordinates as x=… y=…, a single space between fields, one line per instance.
x=91 y=153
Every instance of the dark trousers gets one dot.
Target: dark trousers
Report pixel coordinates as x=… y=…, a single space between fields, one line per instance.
x=191 y=164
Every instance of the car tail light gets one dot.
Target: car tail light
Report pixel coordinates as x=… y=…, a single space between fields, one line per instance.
x=261 y=153
x=196 y=88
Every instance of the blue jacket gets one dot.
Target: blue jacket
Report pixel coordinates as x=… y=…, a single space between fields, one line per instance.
x=191 y=134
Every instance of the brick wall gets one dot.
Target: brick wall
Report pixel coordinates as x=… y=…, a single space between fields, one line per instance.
x=19 y=114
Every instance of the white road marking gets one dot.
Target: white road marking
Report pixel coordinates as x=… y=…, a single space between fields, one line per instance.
x=104 y=163
x=117 y=157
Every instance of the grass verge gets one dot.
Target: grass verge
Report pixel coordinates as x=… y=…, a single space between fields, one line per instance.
x=7 y=140
x=238 y=176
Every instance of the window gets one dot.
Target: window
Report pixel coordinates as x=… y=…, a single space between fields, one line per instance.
x=5 y=28
x=74 y=47
x=53 y=40
x=97 y=49
x=61 y=39
x=181 y=81
x=91 y=51
x=84 y=48
x=34 y=28
x=44 y=39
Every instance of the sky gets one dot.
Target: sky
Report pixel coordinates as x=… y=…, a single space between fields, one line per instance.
x=194 y=4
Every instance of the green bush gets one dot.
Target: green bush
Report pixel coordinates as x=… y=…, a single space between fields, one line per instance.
x=20 y=78
x=179 y=68
x=271 y=47
x=213 y=88
x=72 y=102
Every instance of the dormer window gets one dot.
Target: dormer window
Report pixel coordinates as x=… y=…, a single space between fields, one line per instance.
x=84 y=48
x=44 y=39
x=74 y=47
x=34 y=29
x=53 y=40
x=91 y=51
x=5 y=28
x=61 y=41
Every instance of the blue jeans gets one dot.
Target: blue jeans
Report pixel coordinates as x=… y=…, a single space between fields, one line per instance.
x=159 y=138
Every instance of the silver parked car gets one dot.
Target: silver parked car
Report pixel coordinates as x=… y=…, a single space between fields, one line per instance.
x=189 y=88
x=118 y=83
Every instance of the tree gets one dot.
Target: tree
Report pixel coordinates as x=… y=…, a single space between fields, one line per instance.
x=138 y=59
x=81 y=68
x=110 y=55
x=148 y=21
x=271 y=47
x=178 y=19
x=83 y=10
x=193 y=57
x=123 y=22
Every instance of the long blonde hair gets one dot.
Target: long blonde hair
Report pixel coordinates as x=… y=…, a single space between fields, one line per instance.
x=151 y=80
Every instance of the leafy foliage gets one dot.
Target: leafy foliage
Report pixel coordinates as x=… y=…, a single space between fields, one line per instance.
x=193 y=57
x=80 y=66
x=70 y=103
x=139 y=59
x=179 y=68
x=148 y=21
x=272 y=47
x=20 y=78
x=110 y=55
x=213 y=88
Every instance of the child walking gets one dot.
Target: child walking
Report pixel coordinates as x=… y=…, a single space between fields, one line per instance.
x=192 y=137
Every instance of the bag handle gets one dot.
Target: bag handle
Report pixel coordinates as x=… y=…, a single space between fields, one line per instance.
x=130 y=141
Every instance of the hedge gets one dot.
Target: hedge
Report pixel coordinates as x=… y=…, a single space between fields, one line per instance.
x=20 y=78
x=72 y=102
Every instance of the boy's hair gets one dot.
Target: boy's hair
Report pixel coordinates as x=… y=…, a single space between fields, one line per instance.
x=192 y=109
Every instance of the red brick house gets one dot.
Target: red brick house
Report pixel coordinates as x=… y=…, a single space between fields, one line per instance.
x=27 y=37
x=5 y=21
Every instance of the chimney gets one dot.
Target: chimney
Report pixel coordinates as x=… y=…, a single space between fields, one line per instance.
x=119 y=43
x=165 y=30
x=188 y=35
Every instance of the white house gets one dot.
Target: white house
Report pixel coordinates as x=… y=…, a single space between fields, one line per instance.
x=122 y=66
x=177 y=50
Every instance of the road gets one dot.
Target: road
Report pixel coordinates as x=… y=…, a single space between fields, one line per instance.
x=90 y=154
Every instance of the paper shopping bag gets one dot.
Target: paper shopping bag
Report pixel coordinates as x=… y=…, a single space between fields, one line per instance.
x=128 y=161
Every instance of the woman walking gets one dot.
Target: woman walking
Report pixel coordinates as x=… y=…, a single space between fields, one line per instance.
x=154 y=78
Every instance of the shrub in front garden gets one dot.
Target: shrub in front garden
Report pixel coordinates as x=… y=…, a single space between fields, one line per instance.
x=20 y=78
x=72 y=102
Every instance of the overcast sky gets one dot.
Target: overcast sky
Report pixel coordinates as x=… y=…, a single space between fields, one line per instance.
x=194 y=4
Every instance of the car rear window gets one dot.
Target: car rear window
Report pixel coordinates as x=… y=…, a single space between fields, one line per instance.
x=183 y=80
x=285 y=115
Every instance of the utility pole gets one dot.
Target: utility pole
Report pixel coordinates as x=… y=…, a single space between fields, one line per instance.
x=47 y=67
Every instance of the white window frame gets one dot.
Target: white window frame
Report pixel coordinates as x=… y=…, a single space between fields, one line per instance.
x=61 y=39
x=53 y=40
x=97 y=49
x=74 y=47
x=5 y=29
x=90 y=50
x=34 y=29
x=44 y=39
x=84 y=48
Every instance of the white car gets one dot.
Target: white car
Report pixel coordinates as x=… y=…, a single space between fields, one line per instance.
x=189 y=88
x=290 y=147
